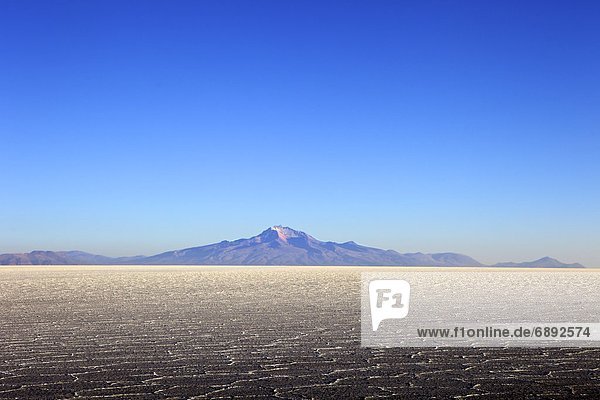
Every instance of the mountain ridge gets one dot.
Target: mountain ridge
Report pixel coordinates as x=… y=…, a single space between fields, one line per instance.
x=277 y=245
x=544 y=262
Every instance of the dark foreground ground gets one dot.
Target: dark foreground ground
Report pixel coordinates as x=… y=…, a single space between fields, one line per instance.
x=158 y=333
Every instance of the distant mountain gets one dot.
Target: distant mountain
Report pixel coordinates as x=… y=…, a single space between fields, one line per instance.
x=62 y=258
x=546 y=262
x=280 y=245
x=277 y=245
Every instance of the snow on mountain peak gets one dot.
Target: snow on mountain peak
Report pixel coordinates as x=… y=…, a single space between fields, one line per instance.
x=285 y=233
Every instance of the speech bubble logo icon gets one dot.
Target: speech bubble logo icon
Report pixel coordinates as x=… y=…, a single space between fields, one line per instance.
x=389 y=299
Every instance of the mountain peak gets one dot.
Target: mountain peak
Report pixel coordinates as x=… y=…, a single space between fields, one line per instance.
x=284 y=233
x=546 y=259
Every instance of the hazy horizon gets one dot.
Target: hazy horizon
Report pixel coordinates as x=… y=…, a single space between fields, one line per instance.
x=461 y=127
x=325 y=240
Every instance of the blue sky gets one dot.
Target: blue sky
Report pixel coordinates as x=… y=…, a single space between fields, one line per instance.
x=132 y=128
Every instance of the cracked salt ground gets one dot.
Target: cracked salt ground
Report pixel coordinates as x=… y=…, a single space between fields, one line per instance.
x=213 y=332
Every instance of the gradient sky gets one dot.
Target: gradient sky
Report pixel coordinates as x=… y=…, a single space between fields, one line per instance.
x=138 y=127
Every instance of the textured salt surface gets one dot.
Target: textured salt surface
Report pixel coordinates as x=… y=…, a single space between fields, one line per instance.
x=198 y=332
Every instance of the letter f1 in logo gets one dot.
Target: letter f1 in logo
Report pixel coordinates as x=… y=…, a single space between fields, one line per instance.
x=389 y=299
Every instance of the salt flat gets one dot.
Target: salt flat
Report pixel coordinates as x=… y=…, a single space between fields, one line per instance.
x=223 y=332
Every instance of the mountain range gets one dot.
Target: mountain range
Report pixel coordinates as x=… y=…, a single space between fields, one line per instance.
x=545 y=262
x=276 y=245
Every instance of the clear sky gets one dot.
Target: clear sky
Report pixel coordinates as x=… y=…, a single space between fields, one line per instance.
x=132 y=127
